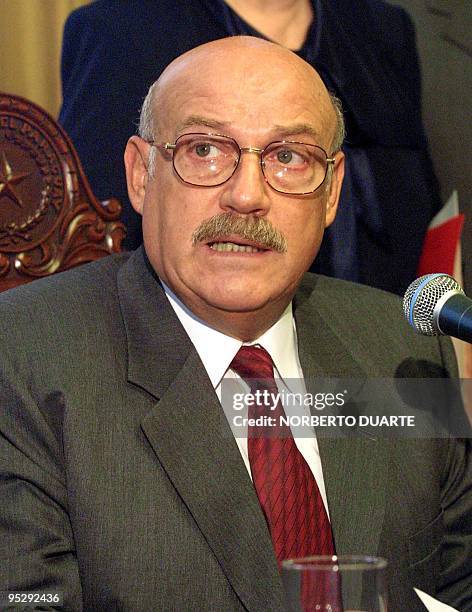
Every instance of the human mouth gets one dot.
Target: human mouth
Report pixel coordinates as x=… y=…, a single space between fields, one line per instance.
x=226 y=247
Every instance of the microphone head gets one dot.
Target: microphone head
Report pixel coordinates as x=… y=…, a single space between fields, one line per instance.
x=421 y=299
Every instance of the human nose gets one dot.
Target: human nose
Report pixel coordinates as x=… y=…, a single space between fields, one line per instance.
x=246 y=190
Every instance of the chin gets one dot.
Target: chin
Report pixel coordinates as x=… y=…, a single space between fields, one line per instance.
x=234 y=300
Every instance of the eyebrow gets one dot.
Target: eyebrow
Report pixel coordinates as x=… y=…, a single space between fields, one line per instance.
x=194 y=120
x=285 y=131
x=282 y=131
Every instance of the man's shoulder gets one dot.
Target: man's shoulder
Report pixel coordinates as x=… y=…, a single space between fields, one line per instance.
x=353 y=310
x=320 y=289
x=91 y=286
x=370 y=323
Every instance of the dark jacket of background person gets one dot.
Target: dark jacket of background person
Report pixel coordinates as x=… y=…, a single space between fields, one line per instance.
x=365 y=51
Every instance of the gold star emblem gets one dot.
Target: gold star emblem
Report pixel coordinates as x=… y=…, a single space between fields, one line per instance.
x=8 y=180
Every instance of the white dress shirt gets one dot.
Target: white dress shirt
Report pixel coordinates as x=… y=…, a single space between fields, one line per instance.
x=217 y=351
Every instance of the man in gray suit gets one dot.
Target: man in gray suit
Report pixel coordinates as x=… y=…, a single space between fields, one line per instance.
x=121 y=484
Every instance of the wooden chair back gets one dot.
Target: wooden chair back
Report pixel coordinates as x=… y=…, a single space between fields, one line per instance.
x=49 y=218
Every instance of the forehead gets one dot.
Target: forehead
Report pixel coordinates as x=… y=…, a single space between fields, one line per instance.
x=248 y=96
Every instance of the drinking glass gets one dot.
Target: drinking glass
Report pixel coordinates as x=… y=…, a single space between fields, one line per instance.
x=344 y=583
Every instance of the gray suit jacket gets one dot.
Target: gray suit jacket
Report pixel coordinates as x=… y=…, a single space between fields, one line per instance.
x=120 y=486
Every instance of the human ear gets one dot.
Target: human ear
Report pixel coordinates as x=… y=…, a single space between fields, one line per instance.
x=334 y=188
x=137 y=175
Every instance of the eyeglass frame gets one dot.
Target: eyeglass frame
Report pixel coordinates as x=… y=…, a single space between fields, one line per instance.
x=169 y=146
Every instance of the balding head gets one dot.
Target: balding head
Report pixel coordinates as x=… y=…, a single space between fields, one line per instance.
x=246 y=62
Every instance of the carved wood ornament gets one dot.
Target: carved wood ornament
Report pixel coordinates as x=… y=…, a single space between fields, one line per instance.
x=49 y=218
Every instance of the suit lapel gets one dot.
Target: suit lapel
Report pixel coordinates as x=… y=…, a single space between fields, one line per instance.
x=353 y=466
x=192 y=440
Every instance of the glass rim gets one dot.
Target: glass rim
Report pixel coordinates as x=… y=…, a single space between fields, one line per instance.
x=336 y=563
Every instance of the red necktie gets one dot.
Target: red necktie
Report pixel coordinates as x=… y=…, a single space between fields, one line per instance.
x=284 y=483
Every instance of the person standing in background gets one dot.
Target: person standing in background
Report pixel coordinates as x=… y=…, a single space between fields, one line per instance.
x=365 y=52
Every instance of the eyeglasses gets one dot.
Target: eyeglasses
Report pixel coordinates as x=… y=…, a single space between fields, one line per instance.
x=209 y=160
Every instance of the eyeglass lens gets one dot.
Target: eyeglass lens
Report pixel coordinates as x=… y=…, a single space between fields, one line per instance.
x=289 y=167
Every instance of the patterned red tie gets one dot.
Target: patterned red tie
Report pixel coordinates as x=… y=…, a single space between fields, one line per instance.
x=285 y=485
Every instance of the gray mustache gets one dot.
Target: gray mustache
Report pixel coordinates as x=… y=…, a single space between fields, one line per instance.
x=256 y=229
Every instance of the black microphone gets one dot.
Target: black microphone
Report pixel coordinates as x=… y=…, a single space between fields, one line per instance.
x=435 y=305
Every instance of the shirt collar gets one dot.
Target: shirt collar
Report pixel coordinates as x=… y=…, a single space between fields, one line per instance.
x=217 y=351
